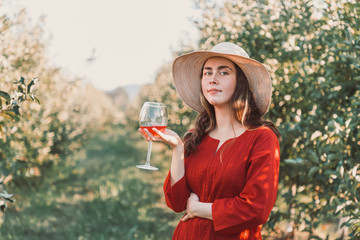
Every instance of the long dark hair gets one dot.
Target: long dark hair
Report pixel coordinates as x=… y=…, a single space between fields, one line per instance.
x=244 y=108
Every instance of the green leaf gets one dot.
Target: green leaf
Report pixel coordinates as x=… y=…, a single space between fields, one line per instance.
x=31 y=84
x=331 y=125
x=22 y=80
x=294 y=162
x=8 y=114
x=34 y=98
x=313 y=170
x=333 y=148
x=37 y=100
x=350 y=58
x=21 y=88
x=331 y=172
x=16 y=109
x=313 y=157
x=3 y=206
x=291 y=162
x=333 y=156
x=5 y=95
x=5 y=194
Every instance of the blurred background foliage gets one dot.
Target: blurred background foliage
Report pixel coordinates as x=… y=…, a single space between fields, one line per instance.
x=69 y=110
x=70 y=160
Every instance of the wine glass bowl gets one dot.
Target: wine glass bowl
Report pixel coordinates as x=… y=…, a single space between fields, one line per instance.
x=152 y=115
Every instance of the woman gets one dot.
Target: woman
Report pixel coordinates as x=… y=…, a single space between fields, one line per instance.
x=225 y=171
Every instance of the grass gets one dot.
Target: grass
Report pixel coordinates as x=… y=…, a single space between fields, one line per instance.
x=97 y=194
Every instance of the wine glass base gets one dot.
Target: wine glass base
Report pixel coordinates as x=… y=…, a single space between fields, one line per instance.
x=147 y=167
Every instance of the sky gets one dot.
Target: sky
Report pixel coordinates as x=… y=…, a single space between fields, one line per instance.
x=127 y=40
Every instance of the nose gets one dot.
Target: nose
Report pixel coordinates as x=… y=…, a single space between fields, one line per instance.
x=213 y=80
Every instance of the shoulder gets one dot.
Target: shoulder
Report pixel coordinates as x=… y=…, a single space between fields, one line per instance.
x=263 y=133
x=264 y=142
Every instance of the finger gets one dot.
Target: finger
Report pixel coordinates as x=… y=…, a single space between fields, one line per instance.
x=143 y=134
x=185 y=218
x=160 y=133
x=149 y=135
x=162 y=137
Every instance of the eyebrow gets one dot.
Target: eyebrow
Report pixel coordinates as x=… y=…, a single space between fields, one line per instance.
x=219 y=68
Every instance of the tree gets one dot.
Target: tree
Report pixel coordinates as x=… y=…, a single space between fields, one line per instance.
x=10 y=109
x=48 y=133
x=311 y=49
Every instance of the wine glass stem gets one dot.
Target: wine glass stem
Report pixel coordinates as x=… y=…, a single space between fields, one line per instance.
x=148 y=153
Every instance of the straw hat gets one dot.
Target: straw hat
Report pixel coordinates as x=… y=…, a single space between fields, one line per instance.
x=187 y=74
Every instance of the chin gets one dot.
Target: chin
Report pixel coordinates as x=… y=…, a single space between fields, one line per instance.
x=220 y=104
x=217 y=102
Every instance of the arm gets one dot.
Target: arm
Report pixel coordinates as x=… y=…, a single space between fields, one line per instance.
x=195 y=208
x=171 y=138
x=177 y=169
x=176 y=189
x=253 y=206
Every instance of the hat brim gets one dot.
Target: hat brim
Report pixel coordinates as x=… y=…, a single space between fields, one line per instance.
x=187 y=78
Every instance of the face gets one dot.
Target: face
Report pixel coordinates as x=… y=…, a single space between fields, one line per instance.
x=218 y=81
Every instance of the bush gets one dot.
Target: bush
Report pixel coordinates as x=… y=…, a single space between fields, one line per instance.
x=48 y=132
x=312 y=51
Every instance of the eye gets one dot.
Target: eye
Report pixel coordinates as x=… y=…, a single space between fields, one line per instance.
x=224 y=73
x=207 y=73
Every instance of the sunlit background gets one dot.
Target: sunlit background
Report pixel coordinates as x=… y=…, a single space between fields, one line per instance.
x=74 y=75
x=113 y=43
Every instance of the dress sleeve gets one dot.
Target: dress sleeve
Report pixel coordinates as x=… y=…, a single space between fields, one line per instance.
x=253 y=205
x=176 y=196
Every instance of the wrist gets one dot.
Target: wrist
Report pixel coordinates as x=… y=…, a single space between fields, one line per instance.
x=198 y=209
x=179 y=148
x=203 y=210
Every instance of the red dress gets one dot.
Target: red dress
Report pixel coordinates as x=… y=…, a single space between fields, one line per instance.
x=240 y=179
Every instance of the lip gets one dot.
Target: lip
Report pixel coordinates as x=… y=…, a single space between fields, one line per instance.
x=213 y=90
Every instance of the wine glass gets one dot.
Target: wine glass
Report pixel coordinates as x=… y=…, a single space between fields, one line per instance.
x=152 y=115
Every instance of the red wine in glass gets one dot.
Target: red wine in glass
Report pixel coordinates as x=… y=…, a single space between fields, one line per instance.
x=149 y=128
x=152 y=115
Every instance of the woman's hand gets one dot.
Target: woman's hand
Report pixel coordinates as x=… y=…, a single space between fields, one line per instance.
x=191 y=207
x=168 y=137
x=195 y=208
x=177 y=168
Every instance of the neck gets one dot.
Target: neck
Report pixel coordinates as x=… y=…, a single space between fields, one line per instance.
x=225 y=120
